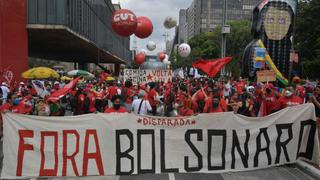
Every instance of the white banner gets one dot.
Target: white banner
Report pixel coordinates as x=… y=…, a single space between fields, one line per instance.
x=124 y=144
x=140 y=76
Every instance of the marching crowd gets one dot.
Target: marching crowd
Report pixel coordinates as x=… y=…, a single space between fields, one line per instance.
x=181 y=97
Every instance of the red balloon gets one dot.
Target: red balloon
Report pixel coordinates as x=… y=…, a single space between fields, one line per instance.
x=161 y=56
x=144 y=28
x=124 y=22
x=139 y=58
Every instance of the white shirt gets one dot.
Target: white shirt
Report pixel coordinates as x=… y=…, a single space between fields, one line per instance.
x=5 y=92
x=145 y=107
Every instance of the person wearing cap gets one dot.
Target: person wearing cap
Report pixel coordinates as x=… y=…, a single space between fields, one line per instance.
x=5 y=91
x=141 y=106
x=22 y=87
x=56 y=87
x=116 y=105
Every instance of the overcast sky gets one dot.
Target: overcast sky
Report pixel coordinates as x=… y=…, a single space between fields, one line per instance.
x=157 y=11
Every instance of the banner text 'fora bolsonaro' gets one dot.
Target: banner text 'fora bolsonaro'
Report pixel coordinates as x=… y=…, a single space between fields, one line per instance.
x=125 y=144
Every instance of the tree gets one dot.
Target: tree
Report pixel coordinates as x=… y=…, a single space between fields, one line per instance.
x=207 y=46
x=307 y=36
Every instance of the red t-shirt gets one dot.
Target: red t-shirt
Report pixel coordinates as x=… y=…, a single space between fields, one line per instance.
x=272 y=103
x=151 y=96
x=112 y=110
x=289 y=102
x=20 y=108
x=185 y=112
x=112 y=91
x=209 y=109
x=92 y=99
x=5 y=107
x=129 y=95
x=181 y=97
x=240 y=85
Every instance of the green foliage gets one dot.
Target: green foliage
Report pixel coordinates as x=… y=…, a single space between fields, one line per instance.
x=307 y=37
x=207 y=46
x=311 y=69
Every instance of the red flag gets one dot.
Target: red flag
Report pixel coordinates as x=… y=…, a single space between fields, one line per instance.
x=211 y=67
x=63 y=91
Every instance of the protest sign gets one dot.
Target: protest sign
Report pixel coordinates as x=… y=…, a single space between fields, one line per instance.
x=125 y=144
x=266 y=76
x=140 y=76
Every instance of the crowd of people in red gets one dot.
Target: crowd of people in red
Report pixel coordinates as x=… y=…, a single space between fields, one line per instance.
x=181 y=97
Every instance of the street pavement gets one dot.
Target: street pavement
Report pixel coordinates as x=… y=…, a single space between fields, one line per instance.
x=289 y=172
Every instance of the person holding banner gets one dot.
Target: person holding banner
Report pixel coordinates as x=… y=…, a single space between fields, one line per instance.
x=290 y=99
x=213 y=104
x=116 y=105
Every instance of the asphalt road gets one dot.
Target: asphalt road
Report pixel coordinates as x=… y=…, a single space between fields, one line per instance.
x=291 y=172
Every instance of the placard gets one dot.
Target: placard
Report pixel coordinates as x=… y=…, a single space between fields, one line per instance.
x=139 y=76
x=266 y=76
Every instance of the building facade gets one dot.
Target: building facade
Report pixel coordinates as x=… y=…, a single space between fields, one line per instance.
x=205 y=15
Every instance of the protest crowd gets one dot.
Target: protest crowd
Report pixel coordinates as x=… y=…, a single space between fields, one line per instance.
x=181 y=97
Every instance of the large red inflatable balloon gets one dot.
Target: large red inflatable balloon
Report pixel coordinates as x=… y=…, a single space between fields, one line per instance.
x=124 y=22
x=161 y=56
x=144 y=28
x=139 y=58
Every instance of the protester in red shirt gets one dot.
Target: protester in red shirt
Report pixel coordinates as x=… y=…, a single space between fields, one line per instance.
x=213 y=104
x=289 y=99
x=271 y=99
x=152 y=97
x=198 y=101
x=240 y=85
x=79 y=98
x=186 y=110
x=127 y=94
x=116 y=108
x=112 y=90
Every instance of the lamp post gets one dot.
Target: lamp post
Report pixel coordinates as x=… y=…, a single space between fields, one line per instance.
x=225 y=29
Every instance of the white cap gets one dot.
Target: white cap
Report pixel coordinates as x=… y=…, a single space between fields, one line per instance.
x=56 y=82
x=4 y=84
x=22 y=83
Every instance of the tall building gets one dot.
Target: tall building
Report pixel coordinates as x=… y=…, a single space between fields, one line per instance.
x=183 y=26
x=205 y=15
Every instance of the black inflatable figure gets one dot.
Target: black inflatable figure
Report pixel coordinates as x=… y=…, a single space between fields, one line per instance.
x=273 y=23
